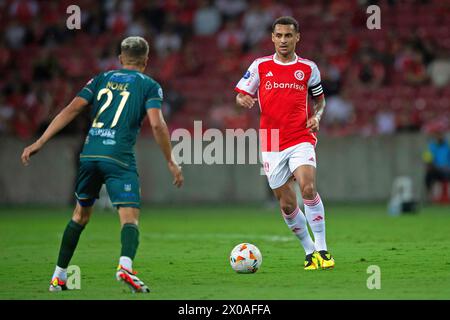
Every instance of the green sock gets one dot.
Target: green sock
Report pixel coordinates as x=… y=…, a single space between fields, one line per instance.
x=130 y=240
x=69 y=243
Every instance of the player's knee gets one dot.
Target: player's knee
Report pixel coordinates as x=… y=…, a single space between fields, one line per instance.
x=128 y=215
x=81 y=216
x=308 y=191
x=80 y=219
x=288 y=205
x=129 y=220
x=288 y=209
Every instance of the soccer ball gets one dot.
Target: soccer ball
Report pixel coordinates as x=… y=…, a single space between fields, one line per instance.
x=245 y=258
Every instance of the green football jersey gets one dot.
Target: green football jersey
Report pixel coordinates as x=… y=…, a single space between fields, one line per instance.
x=119 y=99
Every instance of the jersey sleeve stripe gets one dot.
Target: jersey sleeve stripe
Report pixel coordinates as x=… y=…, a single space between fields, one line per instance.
x=243 y=91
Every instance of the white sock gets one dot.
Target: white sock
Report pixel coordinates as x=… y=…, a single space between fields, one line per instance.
x=315 y=213
x=126 y=262
x=60 y=273
x=297 y=223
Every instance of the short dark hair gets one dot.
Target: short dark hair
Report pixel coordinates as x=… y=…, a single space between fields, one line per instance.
x=286 y=20
x=135 y=49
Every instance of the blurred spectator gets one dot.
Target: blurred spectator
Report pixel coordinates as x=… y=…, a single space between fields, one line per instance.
x=74 y=64
x=256 y=22
x=276 y=8
x=385 y=121
x=169 y=66
x=423 y=44
x=437 y=160
x=154 y=14
x=439 y=69
x=137 y=27
x=45 y=66
x=119 y=15
x=231 y=9
x=331 y=78
x=54 y=34
x=403 y=123
x=370 y=72
x=173 y=102
x=167 y=41
x=182 y=16
x=207 y=19
x=51 y=13
x=408 y=120
x=5 y=54
x=231 y=36
x=24 y=10
x=192 y=64
x=339 y=111
x=23 y=126
x=6 y=115
x=15 y=35
x=415 y=71
x=229 y=62
x=410 y=64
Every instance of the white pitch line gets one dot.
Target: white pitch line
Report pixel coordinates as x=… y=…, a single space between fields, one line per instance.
x=226 y=236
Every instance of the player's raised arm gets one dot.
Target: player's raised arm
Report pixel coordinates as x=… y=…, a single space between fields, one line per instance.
x=73 y=109
x=161 y=133
x=319 y=108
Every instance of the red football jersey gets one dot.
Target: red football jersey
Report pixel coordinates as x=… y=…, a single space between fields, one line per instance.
x=282 y=90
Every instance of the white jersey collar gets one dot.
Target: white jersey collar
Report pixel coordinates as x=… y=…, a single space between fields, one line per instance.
x=285 y=63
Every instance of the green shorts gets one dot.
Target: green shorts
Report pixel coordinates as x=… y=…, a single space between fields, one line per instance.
x=121 y=183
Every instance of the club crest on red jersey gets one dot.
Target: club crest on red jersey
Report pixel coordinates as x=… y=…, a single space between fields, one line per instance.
x=299 y=75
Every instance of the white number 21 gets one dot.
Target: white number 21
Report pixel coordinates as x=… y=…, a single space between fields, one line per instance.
x=109 y=97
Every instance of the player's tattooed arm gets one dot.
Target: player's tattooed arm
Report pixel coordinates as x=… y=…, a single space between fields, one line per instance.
x=319 y=107
x=73 y=109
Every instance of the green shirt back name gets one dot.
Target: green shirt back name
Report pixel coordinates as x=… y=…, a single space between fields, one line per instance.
x=119 y=99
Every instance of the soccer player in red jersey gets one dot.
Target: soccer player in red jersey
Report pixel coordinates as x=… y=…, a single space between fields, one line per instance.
x=281 y=83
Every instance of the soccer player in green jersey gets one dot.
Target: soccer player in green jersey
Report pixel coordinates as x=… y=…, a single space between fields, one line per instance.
x=120 y=100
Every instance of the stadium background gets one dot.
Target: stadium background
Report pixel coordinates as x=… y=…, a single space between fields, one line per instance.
x=386 y=90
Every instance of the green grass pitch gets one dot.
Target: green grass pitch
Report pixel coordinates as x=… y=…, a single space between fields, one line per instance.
x=183 y=254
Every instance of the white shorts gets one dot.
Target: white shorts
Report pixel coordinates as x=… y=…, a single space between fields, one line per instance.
x=279 y=166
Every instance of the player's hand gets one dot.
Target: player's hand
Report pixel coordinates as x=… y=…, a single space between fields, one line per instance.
x=313 y=124
x=29 y=151
x=245 y=100
x=175 y=170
